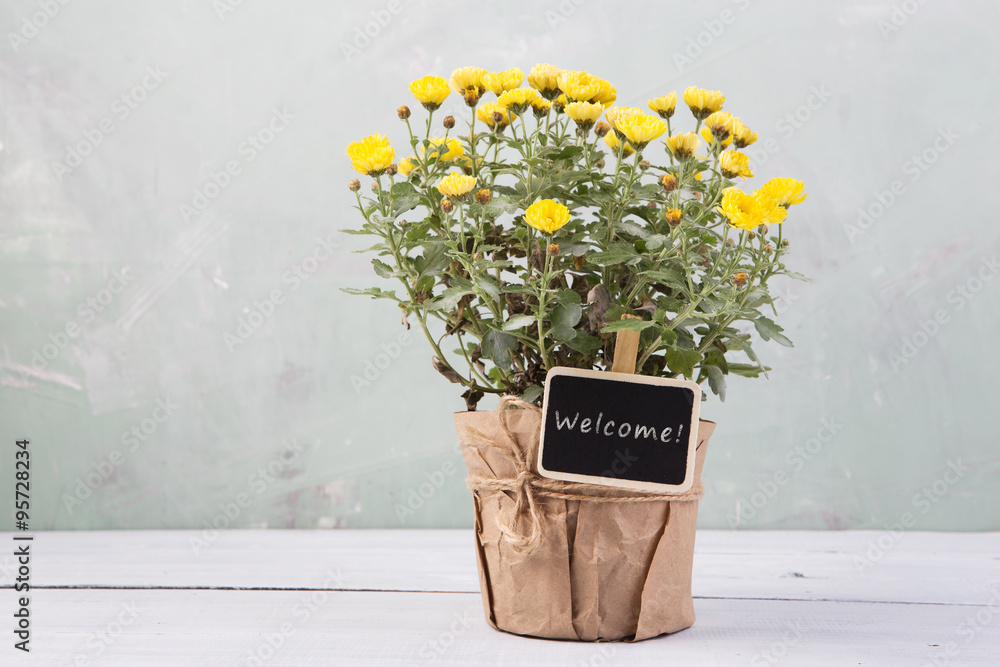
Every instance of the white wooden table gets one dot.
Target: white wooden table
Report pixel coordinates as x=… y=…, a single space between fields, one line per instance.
x=400 y=597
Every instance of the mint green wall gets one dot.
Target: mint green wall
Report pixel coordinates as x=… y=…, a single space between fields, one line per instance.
x=848 y=94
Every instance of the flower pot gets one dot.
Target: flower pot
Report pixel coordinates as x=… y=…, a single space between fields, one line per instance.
x=574 y=561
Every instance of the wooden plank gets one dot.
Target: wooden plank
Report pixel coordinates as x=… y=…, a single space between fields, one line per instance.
x=919 y=567
x=183 y=627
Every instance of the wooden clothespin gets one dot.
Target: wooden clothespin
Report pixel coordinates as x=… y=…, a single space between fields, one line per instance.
x=626 y=349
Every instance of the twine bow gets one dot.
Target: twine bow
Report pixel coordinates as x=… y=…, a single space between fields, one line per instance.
x=526 y=485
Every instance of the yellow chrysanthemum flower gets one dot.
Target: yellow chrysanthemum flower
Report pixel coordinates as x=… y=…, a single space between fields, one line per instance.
x=611 y=139
x=547 y=215
x=683 y=145
x=741 y=209
x=720 y=124
x=664 y=105
x=454 y=150
x=640 y=129
x=579 y=86
x=742 y=135
x=540 y=107
x=745 y=211
x=485 y=114
x=771 y=210
x=372 y=155
x=614 y=115
x=734 y=163
x=500 y=82
x=703 y=102
x=406 y=165
x=430 y=91
x=585 y=114
x=545 y=79
x=785 y=191
x=559 y=104
x=456 y=185
x=468 y=78
x=606 y=96
x=711 y=139
x=518 y=100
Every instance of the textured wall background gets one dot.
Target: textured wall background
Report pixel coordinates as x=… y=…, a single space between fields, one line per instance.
x=117 y=118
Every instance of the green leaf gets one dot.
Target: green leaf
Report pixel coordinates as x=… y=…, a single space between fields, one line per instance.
x=633 y=228
x=584 y=343
x=747 y=370
x=449 y=299
x=797 y=276
x=715 y=357
x=497 y=346
x=373 y=292
x=490 y=287
x=565 y=153
x=434 y=259
x=383 y=270
x=655 y=242
x=628 y=324
x=768 y=330
x=564 y=317
x=401 y=205
x=532 y=393
x=402 y=188
x=682 y=361
x=611 y=257
x=667 y=277
x=648 y=191
x=518 y=322
x=716 y=381
x=567 y=297
x=668 y=337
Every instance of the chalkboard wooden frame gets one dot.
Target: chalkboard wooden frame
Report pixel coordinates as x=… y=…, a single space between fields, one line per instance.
x=692 y=438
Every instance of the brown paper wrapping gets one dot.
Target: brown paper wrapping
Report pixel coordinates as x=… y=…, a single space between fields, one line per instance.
x=603 y=570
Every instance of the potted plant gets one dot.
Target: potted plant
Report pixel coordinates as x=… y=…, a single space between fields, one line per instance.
x=524 y=241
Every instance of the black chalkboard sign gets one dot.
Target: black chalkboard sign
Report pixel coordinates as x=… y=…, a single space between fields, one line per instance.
x=617 y=429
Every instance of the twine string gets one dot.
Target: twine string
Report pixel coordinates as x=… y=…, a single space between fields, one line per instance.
x=526 y=484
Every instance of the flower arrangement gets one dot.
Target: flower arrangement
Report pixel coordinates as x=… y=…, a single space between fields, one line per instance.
x=522 y=240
